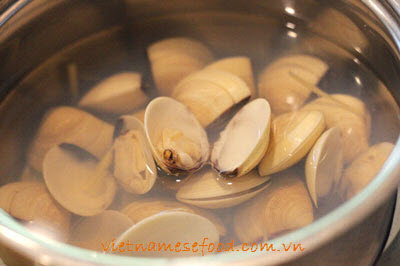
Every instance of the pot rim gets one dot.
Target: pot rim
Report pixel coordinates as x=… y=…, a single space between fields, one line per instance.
x=338 y=221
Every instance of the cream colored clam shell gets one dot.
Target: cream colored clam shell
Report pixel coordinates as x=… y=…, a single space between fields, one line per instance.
x=244 y=141
x=118 y=94
x=239 y=66
x=324 y=164
x=70 y=125
x=169 y=228
x=292 y=137
x=96 y=232
x=127 y=152
x=166 y=113
x=206 y=189
x=173 y=59
x=74 y=181
x=281 y=89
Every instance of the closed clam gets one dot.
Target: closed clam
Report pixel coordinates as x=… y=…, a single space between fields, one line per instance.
x=324 y=164
x=118 y=94
x=30 y=201
x=207 y=190
x=284 y=92
x=78 y=181
x=168 y=228
x=244 y=141
x=284 y=205
x=96 y=232
x=348 y=114
x=210 y=93
x=70 y=125
x=173 y=59
x=363 y=169
x=292 y=136
x=132 y=164
x=140 y=209
x=239 y=66
x=178 y=142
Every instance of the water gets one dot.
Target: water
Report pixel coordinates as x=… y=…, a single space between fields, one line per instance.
x=122 y=48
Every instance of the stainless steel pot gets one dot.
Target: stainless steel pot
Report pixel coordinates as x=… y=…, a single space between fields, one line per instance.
x=31 y=32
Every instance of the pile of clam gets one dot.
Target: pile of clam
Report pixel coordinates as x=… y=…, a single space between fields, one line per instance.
x=212 y=156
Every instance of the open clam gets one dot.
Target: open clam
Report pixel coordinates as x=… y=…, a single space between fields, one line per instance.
x=119 y=94
x=70 y=125
x=284 y=205
x=350 y=115
x=78 y=181
x=207 y=190
x=363 y=169
x=30 y=201
x=140 y=209
x=179 y=143
x=324 y=164
x=96 y=232
x=171 y=229
x=244 y=141
x=133 y=165
x=292 y=136
x=202 y=89
x=173 y=59
x=239 y=66
x=281 y=89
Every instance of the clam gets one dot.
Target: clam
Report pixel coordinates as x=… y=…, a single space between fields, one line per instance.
x=284 y=92
x=244 y=141
x=78 y=181
x=239 y=66
x=70 y=125
x=97 y=231
x=179 y=143
x=202 y=89
x=284 y=205
x=350 y=115
x=140 y=209
x=206 y=190
x=292 y=136
x=168 y=228
x=324 y=164
x=363 y=169
x=30 y=201
x=119 y=94
x=133 y=165
x=173 y=59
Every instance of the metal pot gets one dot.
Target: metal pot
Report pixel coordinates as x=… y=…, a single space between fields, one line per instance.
x=31 y=32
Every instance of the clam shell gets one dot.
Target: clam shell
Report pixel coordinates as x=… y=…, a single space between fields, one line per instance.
x=363 y=169
x=75 y=180
x=96 y=232
x=324 y=164
x=140 y=209
x=30 y=201
x=165 y=114
x=70 y=125
x=239 y=66
x=169 y=228
x=292 y=137
x=244 y=141
x=207 y=190
x=285 y=93
x=284 y=205
x=133 y=164
x=119 y=94
x=354 y=126
x=173 y=59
